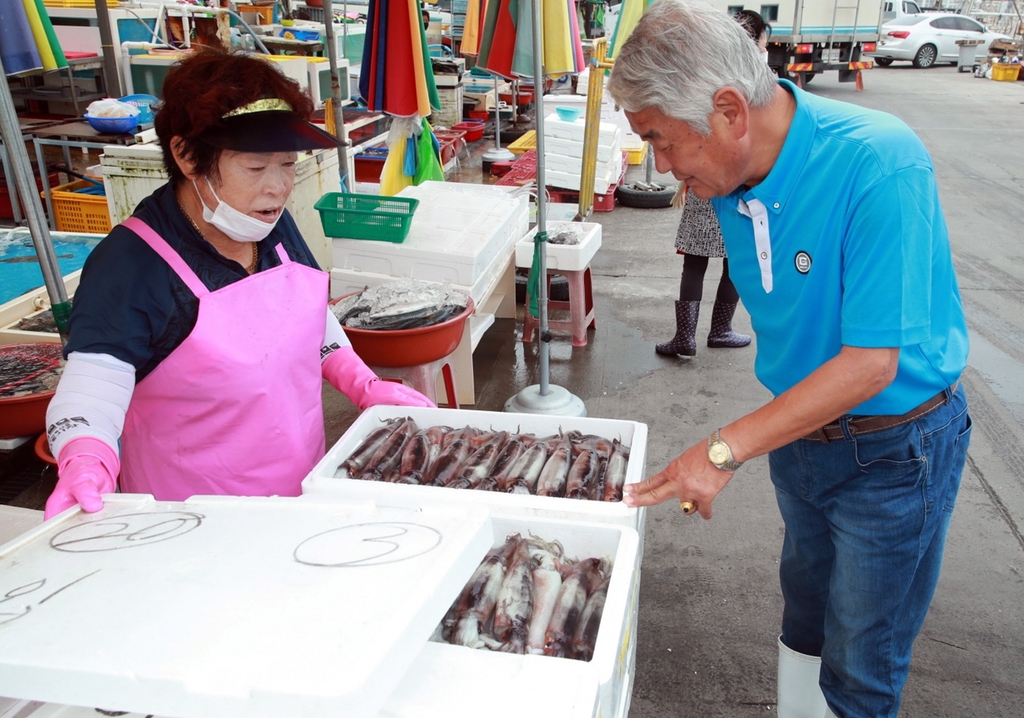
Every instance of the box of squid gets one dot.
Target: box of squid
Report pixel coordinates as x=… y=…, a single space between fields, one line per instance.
x=516 y=464
x=547 y=623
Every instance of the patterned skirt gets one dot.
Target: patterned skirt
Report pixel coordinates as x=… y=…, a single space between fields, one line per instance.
x=699 y=232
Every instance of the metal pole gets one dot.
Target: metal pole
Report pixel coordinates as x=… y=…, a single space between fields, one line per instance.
x=339 y=122
x=111 y=81
x=26 y=188
x=543 y=398
x=542 y=211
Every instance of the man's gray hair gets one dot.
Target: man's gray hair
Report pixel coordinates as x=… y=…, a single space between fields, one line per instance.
x=680 y=54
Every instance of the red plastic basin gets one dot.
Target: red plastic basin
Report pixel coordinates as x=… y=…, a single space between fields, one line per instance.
x=25 y=415
x=408 y=347
x=474 y=130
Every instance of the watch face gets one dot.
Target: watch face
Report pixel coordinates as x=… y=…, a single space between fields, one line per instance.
x=719 y=453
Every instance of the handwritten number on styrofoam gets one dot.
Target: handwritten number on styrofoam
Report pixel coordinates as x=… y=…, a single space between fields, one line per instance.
x=17 y=609
x=125 y=531
x=369 y=544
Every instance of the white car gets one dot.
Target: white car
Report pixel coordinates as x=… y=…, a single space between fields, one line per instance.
x=931 y=37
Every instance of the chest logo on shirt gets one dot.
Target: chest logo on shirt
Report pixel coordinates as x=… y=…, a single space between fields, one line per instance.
x=802 y=260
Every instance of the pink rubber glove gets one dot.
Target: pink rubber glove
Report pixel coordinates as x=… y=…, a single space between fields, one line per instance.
x=349 y=374
x=87 y=469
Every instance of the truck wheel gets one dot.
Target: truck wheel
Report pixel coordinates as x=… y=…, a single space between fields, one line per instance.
x=883 y=61
x=925 y=57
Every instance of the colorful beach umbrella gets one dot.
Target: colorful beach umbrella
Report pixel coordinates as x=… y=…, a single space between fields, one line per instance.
x=506 y=38
x=629 y=16
x=397 y=76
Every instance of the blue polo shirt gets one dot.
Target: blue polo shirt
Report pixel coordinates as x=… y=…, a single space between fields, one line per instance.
x=132 y=305
x=853 y=251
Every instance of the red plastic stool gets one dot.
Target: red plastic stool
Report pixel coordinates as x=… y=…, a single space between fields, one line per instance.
x=423 y=378
x=580 y=307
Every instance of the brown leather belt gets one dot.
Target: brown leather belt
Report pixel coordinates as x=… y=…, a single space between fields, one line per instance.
x=868 y=424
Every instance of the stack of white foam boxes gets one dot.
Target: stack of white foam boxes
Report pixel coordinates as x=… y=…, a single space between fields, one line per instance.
x=563 y=154
x=463 y=235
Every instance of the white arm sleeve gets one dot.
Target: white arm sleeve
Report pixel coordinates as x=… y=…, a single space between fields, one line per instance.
x=91 y=400
x=334 y=336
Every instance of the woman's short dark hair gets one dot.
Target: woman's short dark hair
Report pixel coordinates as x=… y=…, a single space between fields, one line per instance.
x=753 y=23
x=206 y=85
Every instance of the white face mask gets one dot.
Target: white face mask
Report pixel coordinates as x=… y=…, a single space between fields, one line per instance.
x=237 y=225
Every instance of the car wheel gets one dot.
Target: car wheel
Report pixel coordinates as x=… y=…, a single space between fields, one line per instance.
x=925 y=57
x=883 y=61
x=640 y=198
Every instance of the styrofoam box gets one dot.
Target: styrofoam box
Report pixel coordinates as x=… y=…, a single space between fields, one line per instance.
x=574 y=165
x=573 y=148
x=571 y=257
x=454 y=237
x=223 y=606
x=448 y=681
x=631 y=433
x=554 y=127
x=345 y=281
x=571 y=180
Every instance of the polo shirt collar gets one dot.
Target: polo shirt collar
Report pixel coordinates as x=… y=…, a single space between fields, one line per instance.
x=776 y=188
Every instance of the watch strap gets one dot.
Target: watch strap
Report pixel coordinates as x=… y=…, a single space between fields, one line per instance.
x=729 y=464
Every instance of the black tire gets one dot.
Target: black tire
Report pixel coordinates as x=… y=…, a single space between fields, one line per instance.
x=883 y=61
x=926 y=56
x=629 y=196
x=559 y=287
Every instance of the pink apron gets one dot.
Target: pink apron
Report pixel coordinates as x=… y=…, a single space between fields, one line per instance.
x=236 y=408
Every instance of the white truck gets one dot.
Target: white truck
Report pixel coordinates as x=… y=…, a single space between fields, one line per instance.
x=812 y=36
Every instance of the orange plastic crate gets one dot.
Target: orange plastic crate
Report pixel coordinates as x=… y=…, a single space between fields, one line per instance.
x=74 y=212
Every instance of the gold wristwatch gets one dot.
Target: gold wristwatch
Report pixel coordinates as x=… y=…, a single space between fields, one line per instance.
x=720 y=454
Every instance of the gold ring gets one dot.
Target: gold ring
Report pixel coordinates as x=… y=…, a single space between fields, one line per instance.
x=688 y=507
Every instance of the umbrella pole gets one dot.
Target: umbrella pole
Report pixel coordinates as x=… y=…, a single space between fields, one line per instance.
x=543 y=398
x=25 y=185
x=339 y=122
x=497 y=153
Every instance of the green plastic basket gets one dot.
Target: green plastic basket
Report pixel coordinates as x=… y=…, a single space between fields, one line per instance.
x=366 y=216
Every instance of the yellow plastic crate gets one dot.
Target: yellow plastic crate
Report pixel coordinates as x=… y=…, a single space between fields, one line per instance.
x=74 y=212
x=635 y=155
x=527 y=142
x=1005 y=72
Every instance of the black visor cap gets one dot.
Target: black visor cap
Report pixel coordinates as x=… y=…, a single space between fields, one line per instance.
x=270 y=131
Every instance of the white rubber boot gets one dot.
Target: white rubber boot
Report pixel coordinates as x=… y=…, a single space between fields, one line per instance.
x=799 y=695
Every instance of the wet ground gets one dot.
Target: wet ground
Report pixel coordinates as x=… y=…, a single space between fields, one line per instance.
x=710 y=603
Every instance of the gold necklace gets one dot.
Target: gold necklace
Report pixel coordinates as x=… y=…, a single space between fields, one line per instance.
x=255 y=252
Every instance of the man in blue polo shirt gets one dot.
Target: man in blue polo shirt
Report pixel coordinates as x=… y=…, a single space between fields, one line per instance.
x=839 y=250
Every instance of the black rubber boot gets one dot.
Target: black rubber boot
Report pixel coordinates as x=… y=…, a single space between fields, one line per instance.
x=721 y=334
x=684 y=342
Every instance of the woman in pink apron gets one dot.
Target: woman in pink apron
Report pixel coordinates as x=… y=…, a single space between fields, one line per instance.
x=200 y=333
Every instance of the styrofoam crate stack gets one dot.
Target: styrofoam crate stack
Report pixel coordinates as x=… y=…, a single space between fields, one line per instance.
x=560 y=129
x=454 y=237
x=321 y=480
x=569 y=257
x=563 y=154
x=574 y=149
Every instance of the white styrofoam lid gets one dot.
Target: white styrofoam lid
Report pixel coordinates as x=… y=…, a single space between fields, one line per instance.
x=223 y=606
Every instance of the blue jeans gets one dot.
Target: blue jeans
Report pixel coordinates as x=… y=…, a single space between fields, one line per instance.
x=866 y=520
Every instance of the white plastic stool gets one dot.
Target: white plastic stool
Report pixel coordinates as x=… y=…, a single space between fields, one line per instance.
x=423 y=378
x=580 y=307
